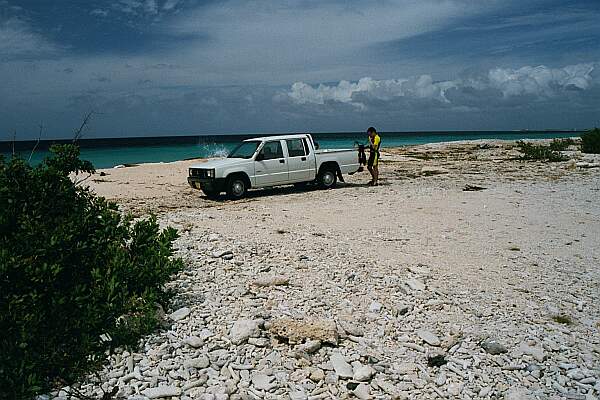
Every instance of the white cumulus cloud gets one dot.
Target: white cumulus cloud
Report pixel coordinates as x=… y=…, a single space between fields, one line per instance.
x=418 y=87
x=538 y=81
x=541 y=80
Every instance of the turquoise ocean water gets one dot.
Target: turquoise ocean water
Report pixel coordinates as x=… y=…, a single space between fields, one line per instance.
x=109 y=156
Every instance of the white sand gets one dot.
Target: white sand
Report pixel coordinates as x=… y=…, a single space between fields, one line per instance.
x=501 y=262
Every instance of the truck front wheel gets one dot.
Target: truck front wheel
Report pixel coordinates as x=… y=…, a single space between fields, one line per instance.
x=211 y=193
x=327 y=179
x=236 y=187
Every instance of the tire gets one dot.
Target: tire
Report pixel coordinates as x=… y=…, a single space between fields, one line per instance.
x=327 y=179
x=236 y=187
x=211 y=193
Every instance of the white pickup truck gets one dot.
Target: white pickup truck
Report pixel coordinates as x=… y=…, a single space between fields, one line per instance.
x=272 y=161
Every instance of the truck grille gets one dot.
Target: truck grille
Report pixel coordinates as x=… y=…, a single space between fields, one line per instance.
x=199 y=173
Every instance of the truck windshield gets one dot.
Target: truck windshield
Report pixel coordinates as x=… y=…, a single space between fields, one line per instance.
x=244 y=150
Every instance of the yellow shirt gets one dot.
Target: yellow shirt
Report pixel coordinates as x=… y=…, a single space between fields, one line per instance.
x=375 y=143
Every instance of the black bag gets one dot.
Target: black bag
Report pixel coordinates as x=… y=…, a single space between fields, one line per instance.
x=362 y=156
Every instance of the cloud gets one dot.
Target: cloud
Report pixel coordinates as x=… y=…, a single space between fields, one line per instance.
x=540 y=81
x=128 y=6
x=144 y=8
x=170 y=4
x=307 y=40
x=151 y=7
x=152 y=69
x=101 y=79
x=99 y=12
x=18 y=40
x=418 y=87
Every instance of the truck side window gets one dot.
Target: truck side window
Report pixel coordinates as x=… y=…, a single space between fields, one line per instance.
x=307 y=149
x=272 y=150
x=295 y=148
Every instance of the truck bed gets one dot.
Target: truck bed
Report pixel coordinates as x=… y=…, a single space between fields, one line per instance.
x=329 y=151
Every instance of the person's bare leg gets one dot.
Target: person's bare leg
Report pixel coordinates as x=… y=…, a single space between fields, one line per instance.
x=375 y=174
x=372 y=174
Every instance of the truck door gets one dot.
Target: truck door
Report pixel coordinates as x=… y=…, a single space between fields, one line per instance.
x=301 y=164
x=270 y=167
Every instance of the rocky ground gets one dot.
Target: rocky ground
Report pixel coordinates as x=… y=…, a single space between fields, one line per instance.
x=466 y=274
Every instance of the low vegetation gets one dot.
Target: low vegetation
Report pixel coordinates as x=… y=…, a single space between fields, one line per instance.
x=590 y=141
x=77 y=279
x=561 y=144
x=562 y=319
x=539 y=152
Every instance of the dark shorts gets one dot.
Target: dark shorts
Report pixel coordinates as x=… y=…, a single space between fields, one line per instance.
x=373 y=160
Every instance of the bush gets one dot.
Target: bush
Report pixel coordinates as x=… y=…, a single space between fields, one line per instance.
x=538 y=152
x=561 y=144
x=590 y=141
x=77 y=279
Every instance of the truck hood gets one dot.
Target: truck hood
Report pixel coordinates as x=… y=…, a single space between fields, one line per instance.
x=221 y=163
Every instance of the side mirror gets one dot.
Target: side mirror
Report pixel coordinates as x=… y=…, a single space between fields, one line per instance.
x=316 y=145
x=259 y=157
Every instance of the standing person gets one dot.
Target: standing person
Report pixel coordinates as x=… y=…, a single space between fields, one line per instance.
x=373 y=163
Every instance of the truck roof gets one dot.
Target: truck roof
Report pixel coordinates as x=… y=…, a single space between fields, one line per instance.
x=278 y=137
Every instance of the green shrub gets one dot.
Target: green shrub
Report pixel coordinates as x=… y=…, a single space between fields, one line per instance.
x=538 y=152
x=561 y=144
x=563 y=319
x=590 y=141
x=73 y=273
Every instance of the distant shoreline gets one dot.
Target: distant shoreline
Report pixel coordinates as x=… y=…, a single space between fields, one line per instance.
x=119 y=152
x=24 y=145
x=389 y=149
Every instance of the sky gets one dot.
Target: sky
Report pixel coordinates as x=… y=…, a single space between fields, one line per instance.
x=187 y=67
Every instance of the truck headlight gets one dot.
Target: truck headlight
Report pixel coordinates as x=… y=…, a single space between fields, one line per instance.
x=210 y=173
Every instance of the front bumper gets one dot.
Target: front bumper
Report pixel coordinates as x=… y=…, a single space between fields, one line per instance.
x=211 y=184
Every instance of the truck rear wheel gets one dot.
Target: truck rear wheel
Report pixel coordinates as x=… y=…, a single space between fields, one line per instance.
x=236 y=187
x=327 y=179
